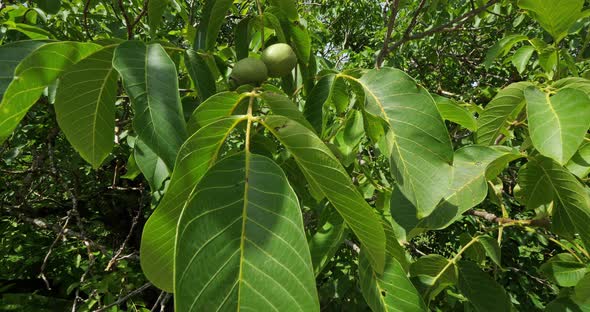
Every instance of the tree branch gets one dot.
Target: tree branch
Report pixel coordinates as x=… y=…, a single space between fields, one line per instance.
x=125 y=298
x=447 y=27
x=544 y=223
x=385 y=49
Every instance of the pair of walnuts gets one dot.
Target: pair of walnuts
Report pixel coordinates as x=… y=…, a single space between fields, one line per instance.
x=277 y=60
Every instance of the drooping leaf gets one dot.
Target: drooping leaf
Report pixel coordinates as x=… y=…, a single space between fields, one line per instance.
x=502 y=47
x=301 y=42
x=11 y=54
x=218 y=106
x=200 y=74
x=242 y=37
x=491 y=247
x=421 y=150
x=543 y=181
x=35 y=72
x=151 y=81
x=85 y=105
x=151 y=165
x=155 y=11
x=211 y=20
x=241 y=243
x=505 y=107
x=324 y=172
x=564 y=269
x=482 y=291
x=557 y=123
x=452 y=111
x=326 y=240
x=196 y=156
x=521 y=57
x=556 y=16
x=392 y=290
x=30 y=31
x=314 y=105
x=280 y=104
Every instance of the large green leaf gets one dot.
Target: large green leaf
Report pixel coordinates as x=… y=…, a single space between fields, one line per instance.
x=392 y=290
x=579 y=164
x=325 y=173
x=473 y=166
x=557 y=123
x=434 y=270
x=85 y=105
x=421 y=150
x=502 y=47
x=555 y=16
x=505 y=107
x=452 y=111
x=280 y=104
x=151 y=81
x=326 y=240
x=241 y=243
x=564 y=269
x=481 y=290
x=196 y=156
x=211 y=20
x=11 y=54
x=543 y=180
x=288 y=7
x=35 y=72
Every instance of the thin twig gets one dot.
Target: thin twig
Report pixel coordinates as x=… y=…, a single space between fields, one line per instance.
x=125 y=298
x=46 y=259
x=127 y=20
x=157 y=303
x=141 y=14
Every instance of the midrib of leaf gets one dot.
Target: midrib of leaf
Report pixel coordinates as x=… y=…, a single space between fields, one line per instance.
x=559 y=128
x=244 y=219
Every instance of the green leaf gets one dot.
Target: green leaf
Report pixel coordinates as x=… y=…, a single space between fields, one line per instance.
x=153 y=167
x=280 y=104
x=582 y=290
x=200 y=74
x=243 y=38
x=504 y=108
x=521 y=58
x=196 y=156
x=301 y=42
x=11 y=54
x=579 y=164
x=85 y=105
x=35 y=72
x=392 y=290
x=151 y=81
x=557 y=123
x=326 y=240
x=490 y=245
x=502 y=47
x=473 y=166
x=218 y=106
x=30 y=31
x=543 y=180
x=421 y=150
x=434 y=270
x=325 y=172
x=287 y=7
x=481 y=290
x=241 y=243
x=564 y=269
x=314 y=105
x=211 y=20
x=339 y=97
x=555 y=16
x=452 y=111
x=156 y=9
x=49 y=6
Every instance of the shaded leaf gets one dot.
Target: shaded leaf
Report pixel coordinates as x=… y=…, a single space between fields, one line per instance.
x=502 y=47
x=85 y=105
x=564 y=269
x=11 y=55
x=218 y=106
x=326 y=240
x=200 y=74
x=153 y=167
x=452 y=111
x=151 y=81
x=481 y=290
x=211 y=20
x=579 y=164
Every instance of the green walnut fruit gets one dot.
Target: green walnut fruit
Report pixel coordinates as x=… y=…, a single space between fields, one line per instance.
x=249 y=70
x=279 y=59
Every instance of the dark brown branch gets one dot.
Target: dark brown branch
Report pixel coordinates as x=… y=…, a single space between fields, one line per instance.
x=453 y=25
x=85 y=19
x=127 y=20
x=141 y=14
x=385 y=49
x=125 y=298
x=544 y=223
